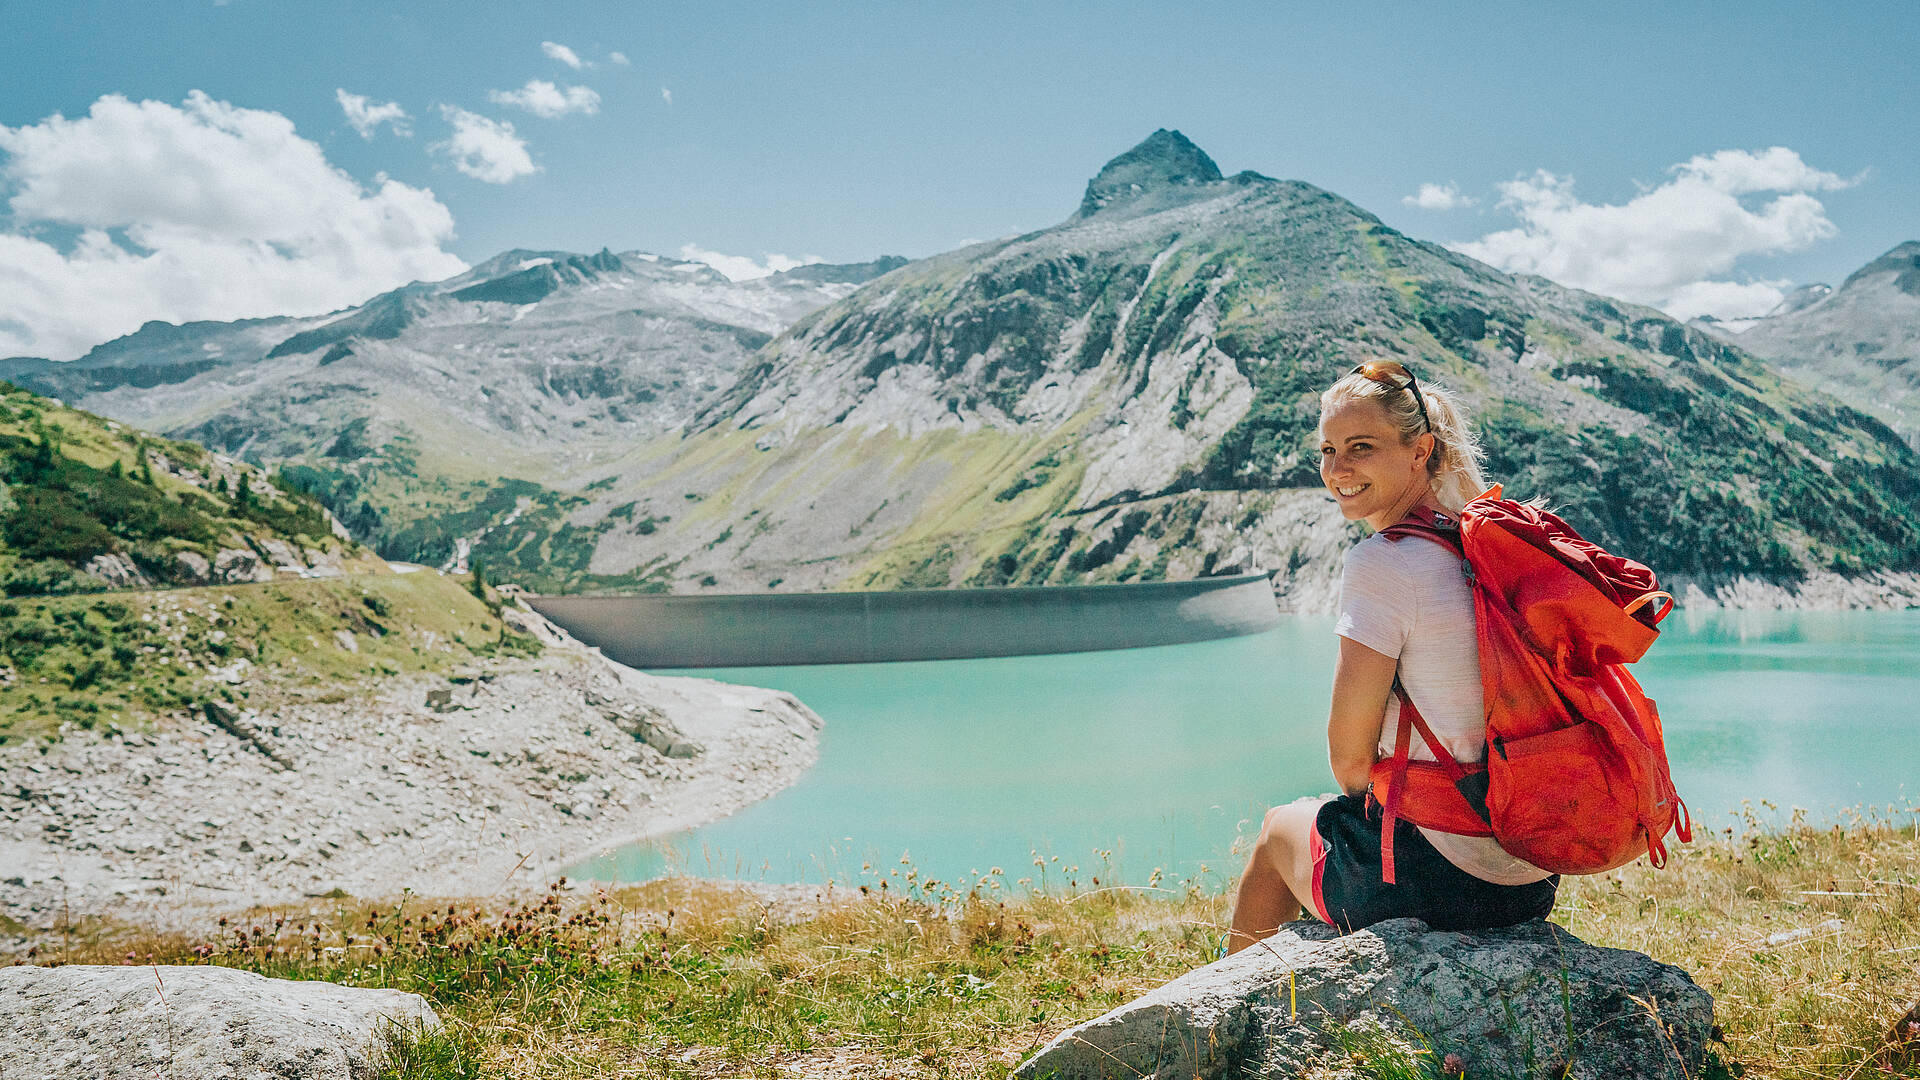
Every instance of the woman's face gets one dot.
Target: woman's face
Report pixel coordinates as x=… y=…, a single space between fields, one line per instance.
x=1372 y=475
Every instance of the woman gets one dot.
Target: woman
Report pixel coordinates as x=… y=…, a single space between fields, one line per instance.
x=1389 y=446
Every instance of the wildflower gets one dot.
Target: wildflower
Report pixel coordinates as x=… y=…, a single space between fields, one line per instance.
x=1454 y=1065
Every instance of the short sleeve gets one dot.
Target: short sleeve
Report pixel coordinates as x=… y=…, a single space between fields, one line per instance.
x=1376 y=598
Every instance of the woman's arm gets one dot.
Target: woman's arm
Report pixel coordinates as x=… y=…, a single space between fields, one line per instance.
x=1362 y=680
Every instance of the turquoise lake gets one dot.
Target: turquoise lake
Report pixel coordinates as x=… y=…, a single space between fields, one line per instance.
x=1162 y=756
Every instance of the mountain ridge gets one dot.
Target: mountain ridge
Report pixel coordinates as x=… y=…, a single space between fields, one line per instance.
x=1859 y=342
x=1182 y=346
x=1128 y=395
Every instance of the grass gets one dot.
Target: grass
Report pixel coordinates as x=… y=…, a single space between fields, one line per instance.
x=688 y=979
x=116 y=661
x=75 y=487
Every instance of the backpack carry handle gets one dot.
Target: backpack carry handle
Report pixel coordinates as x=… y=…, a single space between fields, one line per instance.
x=1642 y=600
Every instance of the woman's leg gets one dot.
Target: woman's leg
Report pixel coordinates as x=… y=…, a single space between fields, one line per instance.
x=1279 y=875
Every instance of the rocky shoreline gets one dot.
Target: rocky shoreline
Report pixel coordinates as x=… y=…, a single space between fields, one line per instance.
x=493 y=779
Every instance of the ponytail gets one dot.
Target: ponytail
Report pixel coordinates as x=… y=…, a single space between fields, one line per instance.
x=1457 y=457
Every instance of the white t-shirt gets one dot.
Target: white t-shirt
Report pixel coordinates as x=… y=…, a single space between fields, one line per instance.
x=1408 y=599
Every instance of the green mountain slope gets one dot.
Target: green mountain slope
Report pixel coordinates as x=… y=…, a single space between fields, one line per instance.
x=1128 y=395
x=1132 y=394
x=433 y=413
x=87 y=504
x=267 y=602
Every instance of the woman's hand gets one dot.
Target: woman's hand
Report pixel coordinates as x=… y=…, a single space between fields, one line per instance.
x=1362 y=681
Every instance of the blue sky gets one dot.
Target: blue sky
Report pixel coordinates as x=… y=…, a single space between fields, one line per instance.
x=845 y=131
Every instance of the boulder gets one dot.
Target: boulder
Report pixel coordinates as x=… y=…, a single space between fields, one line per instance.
x=1524 y=1001
x=235 y=566
x=117 y=571
x=284 y=556
x=645 y=724
x=194 y=567
x=86 y=1022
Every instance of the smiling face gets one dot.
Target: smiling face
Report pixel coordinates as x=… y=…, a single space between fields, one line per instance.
x=1371 y=473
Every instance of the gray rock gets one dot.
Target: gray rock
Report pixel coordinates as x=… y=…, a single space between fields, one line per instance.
x=241 y=726
x=645 y=724
x=101 y=1023
x=1531 y=1000
x=117 y=571
x=284 y=555
x=235 y=566
x=194 y=567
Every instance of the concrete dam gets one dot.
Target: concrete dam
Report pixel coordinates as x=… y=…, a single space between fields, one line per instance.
x=652 y=631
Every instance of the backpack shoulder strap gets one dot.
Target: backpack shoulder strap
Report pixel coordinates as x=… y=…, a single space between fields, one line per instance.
x=1429 y=524
x=1410 y=721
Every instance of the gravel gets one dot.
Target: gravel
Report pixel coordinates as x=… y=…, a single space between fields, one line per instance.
x=517 y=769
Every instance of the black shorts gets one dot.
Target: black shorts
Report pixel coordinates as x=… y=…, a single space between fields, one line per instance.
x=1348 y=892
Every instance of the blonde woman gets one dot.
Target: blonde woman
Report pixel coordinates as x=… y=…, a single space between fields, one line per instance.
x=1389 y=447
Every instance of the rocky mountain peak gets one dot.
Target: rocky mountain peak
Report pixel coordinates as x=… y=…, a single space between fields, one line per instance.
x=1903 y=262
x=1801 y=298
x=1165 y=159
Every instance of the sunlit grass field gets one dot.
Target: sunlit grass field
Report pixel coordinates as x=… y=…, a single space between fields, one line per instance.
x=1808 y=937
x=115 y=661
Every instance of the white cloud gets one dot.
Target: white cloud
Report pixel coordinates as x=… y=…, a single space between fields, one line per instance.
x=1671 y=245
x=485 y=149
x=544 y=99
x=1726 y=299
x=1439 y=197
x=366 y=117
x=557 y=51
x=619 y=58
x=666 y=95
x=225 y=212
x=1776 y=168
x=745 y=267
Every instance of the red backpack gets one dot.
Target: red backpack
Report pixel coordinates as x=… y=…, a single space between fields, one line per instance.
x=1574 y=778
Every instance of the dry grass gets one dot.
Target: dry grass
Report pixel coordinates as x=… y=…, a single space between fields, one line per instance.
x=689 y=979
x=1807 y=937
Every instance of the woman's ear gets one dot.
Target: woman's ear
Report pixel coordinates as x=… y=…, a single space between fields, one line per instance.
x=1423 y=448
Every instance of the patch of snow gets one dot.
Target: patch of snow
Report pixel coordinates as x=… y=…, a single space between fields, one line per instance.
x=648 y=256
x=531 y=263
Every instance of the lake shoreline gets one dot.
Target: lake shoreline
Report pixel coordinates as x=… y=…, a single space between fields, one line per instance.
x=490 y=783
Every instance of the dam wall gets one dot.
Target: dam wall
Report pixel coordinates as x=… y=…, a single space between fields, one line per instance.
x=751 y=629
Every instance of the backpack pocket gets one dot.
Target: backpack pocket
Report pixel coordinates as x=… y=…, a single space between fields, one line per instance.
x=1553 y=801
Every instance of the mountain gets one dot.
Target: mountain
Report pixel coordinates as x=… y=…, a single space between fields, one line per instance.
x=1128 y=395
x=1860 y=342
x=547 y=348
x=422 y=412
x=87 y=504
x=1132 y=394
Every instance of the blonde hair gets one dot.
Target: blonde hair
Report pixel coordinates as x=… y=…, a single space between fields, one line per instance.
x=1454 y=466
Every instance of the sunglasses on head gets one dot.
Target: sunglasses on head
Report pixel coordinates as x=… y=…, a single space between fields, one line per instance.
x=1393 y=373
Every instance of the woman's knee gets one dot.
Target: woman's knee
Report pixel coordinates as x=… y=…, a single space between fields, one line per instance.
x=1280 y=832
x=1285 y=833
